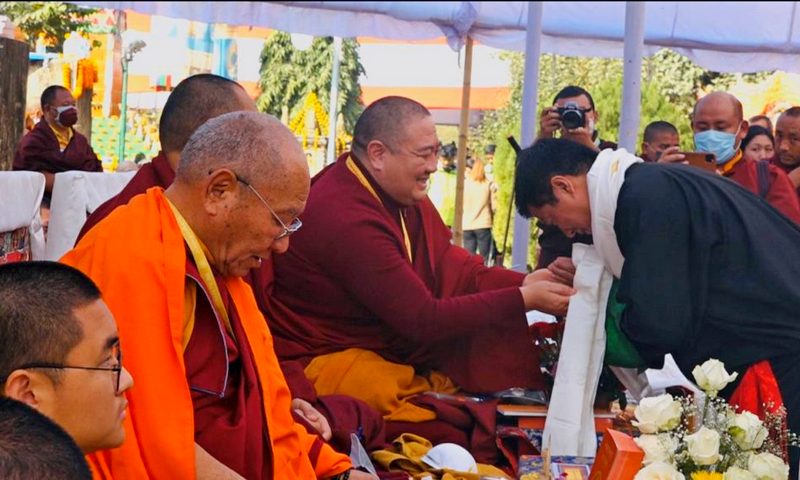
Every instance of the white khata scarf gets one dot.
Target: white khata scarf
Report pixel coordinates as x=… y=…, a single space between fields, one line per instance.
x=569 y=428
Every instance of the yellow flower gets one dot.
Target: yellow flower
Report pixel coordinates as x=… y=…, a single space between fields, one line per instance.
x=707 y=476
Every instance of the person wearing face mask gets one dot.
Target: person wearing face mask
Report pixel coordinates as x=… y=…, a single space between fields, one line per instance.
x=53 y=145
x=719 y=128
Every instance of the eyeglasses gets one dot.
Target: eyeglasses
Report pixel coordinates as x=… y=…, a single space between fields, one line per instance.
x=287 y=230
x=117 y=369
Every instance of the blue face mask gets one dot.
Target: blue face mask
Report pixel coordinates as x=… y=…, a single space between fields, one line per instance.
x=721 y=144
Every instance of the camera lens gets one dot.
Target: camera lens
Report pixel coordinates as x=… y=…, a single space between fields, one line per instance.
x=572 y=119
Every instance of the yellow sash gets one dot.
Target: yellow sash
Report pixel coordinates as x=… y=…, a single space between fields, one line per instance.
x=200 y=255
x=351 y=165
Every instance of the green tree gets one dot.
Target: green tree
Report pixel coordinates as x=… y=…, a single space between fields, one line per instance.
x=672 y=84
x=53 y=19
x=288 y=75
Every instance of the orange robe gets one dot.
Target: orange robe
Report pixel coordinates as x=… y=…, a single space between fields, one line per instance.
x=137 y=257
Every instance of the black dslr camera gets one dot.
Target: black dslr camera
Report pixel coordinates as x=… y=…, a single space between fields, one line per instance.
x=572 y=116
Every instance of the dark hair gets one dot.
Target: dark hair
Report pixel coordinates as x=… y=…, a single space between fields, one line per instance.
x=194 y=101
x=573 y=91
x=37 y=321
x=659 y=126
x=49 y=95
x=33 y=447
x=542 y=161
x=793 y=112
x=754 y=132
x=384 y=120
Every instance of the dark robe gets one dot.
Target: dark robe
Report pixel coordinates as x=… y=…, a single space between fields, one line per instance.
x=552 y=241
x=776 y=160
x=228 y=414
x=781 y=193
x=710 y=272
x=349 y=282
x=40 y=151
x=345 y=415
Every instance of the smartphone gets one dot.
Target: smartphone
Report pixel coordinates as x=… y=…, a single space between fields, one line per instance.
x=706 y=161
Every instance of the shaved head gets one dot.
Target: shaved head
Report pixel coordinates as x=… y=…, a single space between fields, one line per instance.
x=385 y=120
x=251 y=143
x=241 y=180
x=196 y=100
x=717 y=100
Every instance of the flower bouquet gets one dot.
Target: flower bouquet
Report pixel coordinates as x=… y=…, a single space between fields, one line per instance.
x=686 y=441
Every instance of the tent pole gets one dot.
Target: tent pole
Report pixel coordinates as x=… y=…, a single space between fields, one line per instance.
x=333 y=113
x=530 y=90
x=463 y=128
x=632 y=75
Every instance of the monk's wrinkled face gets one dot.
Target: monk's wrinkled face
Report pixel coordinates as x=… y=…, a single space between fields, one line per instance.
x=570 y=212
x=404 y=169
x=86 y=399
x=262 y=221
x=787 y=140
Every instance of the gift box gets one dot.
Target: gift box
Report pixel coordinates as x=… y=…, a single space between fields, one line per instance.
x=531 y=467
x=618 y=457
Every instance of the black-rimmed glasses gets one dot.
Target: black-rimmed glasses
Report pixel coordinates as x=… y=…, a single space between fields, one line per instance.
x=117 y=369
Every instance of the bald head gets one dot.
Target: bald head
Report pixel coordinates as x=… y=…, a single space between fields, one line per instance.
x=385 y=120
x=720 y=102
x=253 y=144
x=194 y=101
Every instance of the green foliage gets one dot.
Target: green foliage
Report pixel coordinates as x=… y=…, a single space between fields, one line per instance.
x=53 y=19
x=672 y=84
x=288 y=75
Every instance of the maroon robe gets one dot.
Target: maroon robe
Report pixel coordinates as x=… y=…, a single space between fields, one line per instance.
x=348 y=279
x=776 y=160
x=345 y=415
x=781 y=194
x=229 y=421
x=40 y=151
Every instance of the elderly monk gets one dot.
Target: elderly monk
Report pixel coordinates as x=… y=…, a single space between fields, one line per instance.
x=386 y=307
x=787 y=144
x=719 y=128
x=53 y=145
x=212 y=402
x=194 y=101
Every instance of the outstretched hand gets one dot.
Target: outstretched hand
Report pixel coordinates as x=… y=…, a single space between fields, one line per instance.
x=313 y=417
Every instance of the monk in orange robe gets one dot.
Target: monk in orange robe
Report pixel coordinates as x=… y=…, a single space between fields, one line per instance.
x=212 y=401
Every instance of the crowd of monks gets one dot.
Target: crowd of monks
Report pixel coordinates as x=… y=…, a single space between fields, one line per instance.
x=266 y=317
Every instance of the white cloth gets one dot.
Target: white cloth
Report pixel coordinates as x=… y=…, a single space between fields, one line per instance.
x=21 y=196
x=77 y=194
x=605 y=180
x=569 y=428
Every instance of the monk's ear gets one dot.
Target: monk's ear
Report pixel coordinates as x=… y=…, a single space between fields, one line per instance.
x=23 y=387
x=376 y=155
x=221 y=186
x=743 y=128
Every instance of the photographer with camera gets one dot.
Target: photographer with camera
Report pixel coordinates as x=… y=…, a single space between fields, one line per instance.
x=574 y=115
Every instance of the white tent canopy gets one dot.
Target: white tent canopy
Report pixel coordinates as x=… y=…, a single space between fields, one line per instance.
x=725 y=37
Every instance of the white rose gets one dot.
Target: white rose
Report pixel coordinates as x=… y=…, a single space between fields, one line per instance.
x=766 y=466
x=657 y=413
x=657 y=448
x=747 y=431
x=659 y=471
x=704 y=446
x=736 y=473
x=712 y=376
